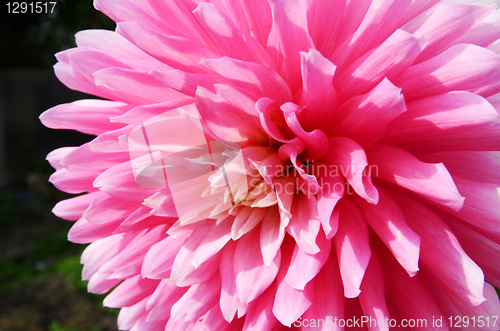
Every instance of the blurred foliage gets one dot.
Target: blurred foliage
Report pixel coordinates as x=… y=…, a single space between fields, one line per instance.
x=32 y=40
x=40 y=271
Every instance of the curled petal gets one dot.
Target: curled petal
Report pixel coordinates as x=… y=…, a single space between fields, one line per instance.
x=351 y=159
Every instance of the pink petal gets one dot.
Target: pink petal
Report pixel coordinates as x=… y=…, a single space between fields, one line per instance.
x=100 y=284
x=357 y=115
x=260 y=315
x=185 y=272
x=85 y=157
x=318 y=94
x=109 y=142
x=486 y=310
x=135 y=86
x=86 y=61
x=291 y=151
x=387 y=61
x=213 y=320
x=234 y=42
x=158 y=261
x=130 y=292
x=480 y=206
x=411 y=295
x=484 y=251
x=329 y=300
x=273 y=121
x=119 y=182
x=474 y=166
x=84 y=232
x=324 y=20
x=289 y=35
x=289 y=303
x=432 y=181
x=451 y=268
x=118 y=47
x=100 y=251
x=128 y=261
x=461 y=67
x=252 y=276
x=332 y=190
x=73 y=208
x=230 y=302
x=446 y=24
x=271 y=235
x=244 y=223
x=347 y=155
x=387 y=220
x=447 y=122
x=305 y=224
x=180 y=14
x=197 y=300
x=186 y=83
x=126 y=11
x=416 y=8
x=163 y=298
x=55 y=157
x=143 y=113
x=483 y=33
x=66 y=75
x=372 y=296
x=353 y=310
x=215 y=239
x=316 y=142
x=285 y=198
x=175 y=51
x=352 y=247
x=304 y=267
x=353 y=15
x=75 y=116
x=162 y=203
x=371 y=32
x=76 y=181
x=226 y=121
x=106 y=209
x=254 y=78
x=179 y=325
x=128 y=316
x=252 y=16
x=237 y=98
x=143 y=325
x=142 y=219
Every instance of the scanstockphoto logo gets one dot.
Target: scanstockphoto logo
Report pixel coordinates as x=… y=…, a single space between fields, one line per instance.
x=187 y=165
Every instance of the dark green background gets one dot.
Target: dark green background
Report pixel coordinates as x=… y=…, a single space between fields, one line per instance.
x=40 y=286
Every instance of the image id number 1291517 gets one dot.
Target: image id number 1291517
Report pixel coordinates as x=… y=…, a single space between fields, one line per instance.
x=38 y=7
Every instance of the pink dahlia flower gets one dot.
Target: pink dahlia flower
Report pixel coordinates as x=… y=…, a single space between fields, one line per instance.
x=263 y=164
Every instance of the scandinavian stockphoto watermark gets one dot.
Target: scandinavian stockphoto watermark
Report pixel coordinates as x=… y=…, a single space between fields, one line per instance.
x=191 y=159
